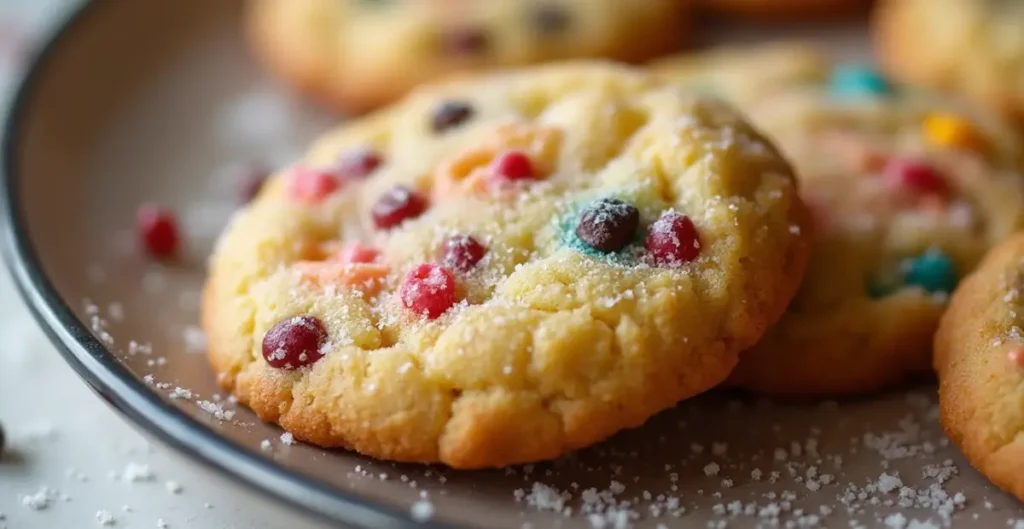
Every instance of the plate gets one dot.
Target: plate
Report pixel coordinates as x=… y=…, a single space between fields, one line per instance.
x=157 y=101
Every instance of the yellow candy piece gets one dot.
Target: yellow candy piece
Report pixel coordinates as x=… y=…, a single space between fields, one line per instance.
x=947 y=130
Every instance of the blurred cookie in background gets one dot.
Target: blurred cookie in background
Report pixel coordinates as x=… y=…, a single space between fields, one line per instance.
x=744 y=74
x=965 y=47
x=908 y=191
x=779 y=10
x=355 y=55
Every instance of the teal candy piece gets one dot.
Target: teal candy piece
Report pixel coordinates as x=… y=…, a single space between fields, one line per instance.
x=858 y=80
x=933 y=271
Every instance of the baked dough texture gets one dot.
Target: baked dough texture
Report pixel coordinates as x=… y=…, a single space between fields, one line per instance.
x=979 y=357
x=545 y=344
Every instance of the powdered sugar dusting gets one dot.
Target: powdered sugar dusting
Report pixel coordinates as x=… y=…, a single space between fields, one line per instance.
x=759 y=473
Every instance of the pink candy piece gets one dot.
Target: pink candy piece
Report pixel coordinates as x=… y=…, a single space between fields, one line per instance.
x=428 y=290
x=1016 y=356
x=358 y=253
x=311 y=185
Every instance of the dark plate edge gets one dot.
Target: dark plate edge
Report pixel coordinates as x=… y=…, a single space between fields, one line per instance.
x=101 y=370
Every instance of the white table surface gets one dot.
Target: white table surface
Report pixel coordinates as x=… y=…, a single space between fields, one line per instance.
x=63 y=437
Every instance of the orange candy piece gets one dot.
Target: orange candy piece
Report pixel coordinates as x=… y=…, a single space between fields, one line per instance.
x=470 y=173
x=365 y=277
x=948 y=130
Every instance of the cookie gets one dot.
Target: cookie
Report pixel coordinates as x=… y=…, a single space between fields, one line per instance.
x=979 y=358
x=908 y=191
x=356 y=55
x=744 y=74
x=503 y=269
x=785 y=9
x=970 y=48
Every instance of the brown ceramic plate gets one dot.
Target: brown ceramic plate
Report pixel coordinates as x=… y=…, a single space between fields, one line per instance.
x=138 y=101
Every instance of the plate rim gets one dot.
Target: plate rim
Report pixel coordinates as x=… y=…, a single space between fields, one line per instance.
x=100 y=368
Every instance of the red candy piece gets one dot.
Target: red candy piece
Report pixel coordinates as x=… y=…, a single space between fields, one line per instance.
x=310 y=185
x=914 y=175
x=672 y=240
x=359 y=163
x=396 y=205
x=428 y=290
x=359 y=253
x=511 y=166
x=158 y=230
x=463 y=252
x=294 y=343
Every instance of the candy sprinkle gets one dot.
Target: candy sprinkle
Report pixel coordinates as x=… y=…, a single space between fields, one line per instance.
x=947 y=130
x=1016 y=355
x=933 y=271
x=858 y=80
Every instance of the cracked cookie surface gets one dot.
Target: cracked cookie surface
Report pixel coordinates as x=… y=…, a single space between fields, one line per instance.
x=355 y=55
x=908 y=191
x=503 y=269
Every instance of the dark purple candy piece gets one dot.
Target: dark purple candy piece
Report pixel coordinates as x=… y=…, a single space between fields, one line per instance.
x=450 y=114
x=463 y=252
x=294 y=342
x=608 y=224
